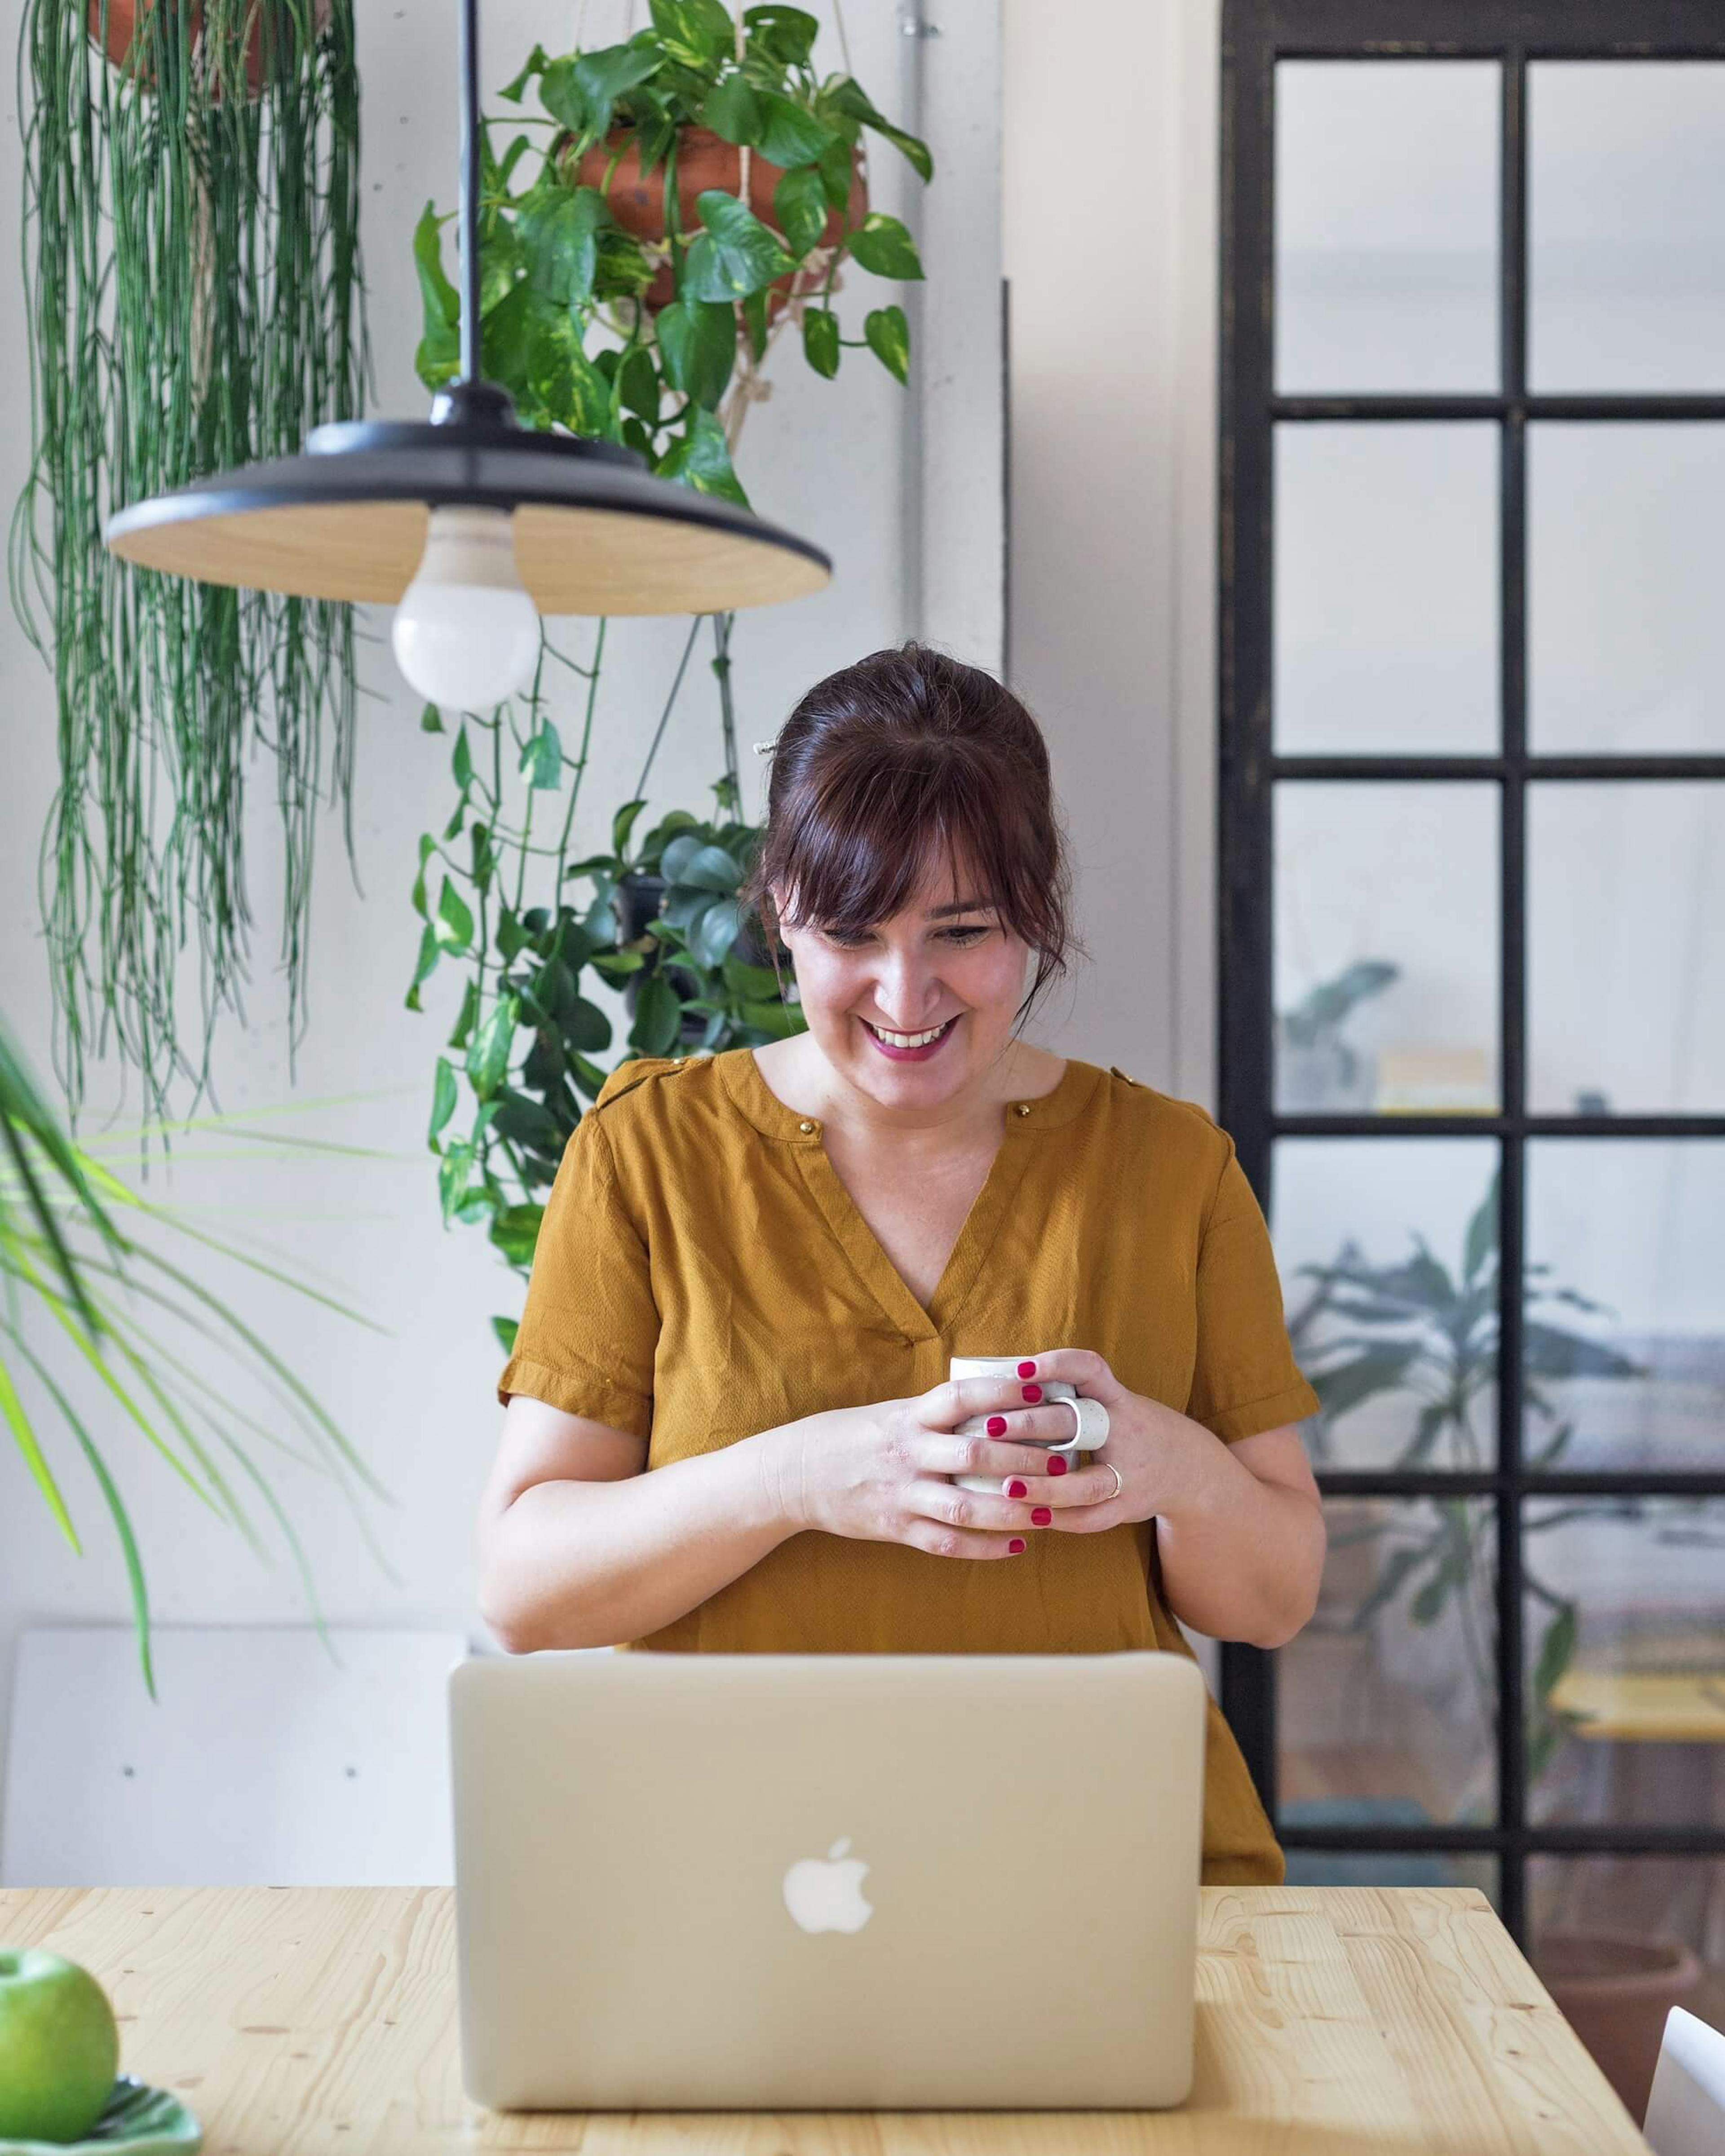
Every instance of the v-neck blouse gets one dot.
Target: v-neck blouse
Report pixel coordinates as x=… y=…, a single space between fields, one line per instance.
x=702 y=1274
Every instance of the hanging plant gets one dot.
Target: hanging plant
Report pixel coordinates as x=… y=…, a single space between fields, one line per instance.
x=190 y=224
x=699 y=187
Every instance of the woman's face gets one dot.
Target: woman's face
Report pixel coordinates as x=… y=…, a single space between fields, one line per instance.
x=946 y=963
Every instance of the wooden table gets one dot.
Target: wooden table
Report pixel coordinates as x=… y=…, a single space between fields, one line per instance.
x=1333 y=2021
x=1626 y=1706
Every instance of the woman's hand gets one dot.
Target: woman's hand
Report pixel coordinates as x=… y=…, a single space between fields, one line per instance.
x=876 y=1473
x=1165 y=1462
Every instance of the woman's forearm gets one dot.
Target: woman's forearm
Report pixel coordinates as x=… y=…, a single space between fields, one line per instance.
x=587 y=1564
x=1241 y=1558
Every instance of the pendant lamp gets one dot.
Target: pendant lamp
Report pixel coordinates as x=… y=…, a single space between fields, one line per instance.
x=472 y=524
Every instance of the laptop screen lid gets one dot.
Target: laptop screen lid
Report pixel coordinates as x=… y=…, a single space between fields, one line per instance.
x=779 y=1881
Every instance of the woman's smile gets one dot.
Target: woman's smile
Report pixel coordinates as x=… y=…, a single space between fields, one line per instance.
x=911 y=1047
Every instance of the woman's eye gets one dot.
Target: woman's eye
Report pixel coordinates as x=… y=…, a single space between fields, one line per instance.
x=966 y=935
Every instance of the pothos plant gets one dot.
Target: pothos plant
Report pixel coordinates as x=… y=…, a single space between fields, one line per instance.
x=607 y=308
x=1416 y=1326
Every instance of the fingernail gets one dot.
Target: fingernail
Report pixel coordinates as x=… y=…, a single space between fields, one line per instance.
x=1017 y=1546
x=1041 y=1516
x=997 y=1425
x=1032 y=1392
x=1027 y=1369
x=1056 y=1464
x=1017 y=1489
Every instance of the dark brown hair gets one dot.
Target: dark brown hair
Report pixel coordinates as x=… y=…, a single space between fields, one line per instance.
x=891 y=767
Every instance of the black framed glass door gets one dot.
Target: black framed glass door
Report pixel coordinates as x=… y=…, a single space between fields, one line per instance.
x=1472 y=929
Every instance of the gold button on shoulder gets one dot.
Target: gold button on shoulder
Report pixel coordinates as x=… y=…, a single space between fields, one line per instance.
x=805 y=1126
x=1024 y=1107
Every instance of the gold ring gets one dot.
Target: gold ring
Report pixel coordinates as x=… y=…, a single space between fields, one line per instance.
x=1117 y=1484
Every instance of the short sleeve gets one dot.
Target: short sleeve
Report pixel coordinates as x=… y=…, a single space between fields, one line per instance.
x=1244 y=1379
x=590 y=1328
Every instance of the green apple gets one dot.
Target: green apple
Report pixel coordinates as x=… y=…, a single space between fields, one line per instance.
x=60 y=2049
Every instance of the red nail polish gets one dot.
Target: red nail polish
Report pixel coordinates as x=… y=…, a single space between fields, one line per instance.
x=1057 y=1463
x=1017 y=1546
x=1017 y=1489
x=1032 y=1392
x=997 y=1425
x=1027 y=1369
x=1041 y=1516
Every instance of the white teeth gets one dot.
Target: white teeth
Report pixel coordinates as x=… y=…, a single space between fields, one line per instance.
x=907 y=1039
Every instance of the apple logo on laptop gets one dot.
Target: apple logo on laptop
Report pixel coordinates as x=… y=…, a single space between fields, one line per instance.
x=825 y=1895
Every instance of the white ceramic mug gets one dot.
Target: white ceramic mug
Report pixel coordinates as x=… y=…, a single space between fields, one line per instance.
x=1006 y=1366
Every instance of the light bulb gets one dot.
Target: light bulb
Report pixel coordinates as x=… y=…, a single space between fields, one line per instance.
x=466 y=635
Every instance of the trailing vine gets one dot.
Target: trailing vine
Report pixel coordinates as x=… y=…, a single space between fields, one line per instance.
x=191 y=256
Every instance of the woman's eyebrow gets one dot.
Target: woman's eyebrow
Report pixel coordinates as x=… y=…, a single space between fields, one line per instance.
x=963 y=905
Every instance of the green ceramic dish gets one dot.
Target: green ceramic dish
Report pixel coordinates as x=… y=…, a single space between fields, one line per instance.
x=139 y=2121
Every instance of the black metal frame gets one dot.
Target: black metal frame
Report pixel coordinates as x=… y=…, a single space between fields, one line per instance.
x=1256 y=33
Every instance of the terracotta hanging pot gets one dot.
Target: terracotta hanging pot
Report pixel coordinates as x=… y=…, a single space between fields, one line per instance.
x=704 y=160
x=125 y=17
x=1616 y=1991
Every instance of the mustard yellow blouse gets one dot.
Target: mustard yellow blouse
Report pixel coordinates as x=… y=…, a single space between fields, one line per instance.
x=701 y=1274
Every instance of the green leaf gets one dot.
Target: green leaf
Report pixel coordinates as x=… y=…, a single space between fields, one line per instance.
x=1427 y=1605
x=699 y=458
x=637 y=384
x=623 y=823
x=677 y=852
x=505 y=1329
x=848 y=96
x=462 y=760
x=442 y=302
x=515 y=1230
x=1556 y=1651
x=488 y=1051
x=799 y=202
x=778 y=1021
x=535 y=61
x=658 y=1016
x=837 y=174
x=697 y=346
x=882 y=245
x=428 y=846
x=542 y=758
x=711 y=868
x=790 y=136
x=785 y=34
x=696 y=34
x=732 y=111
x=463 y=1027
x=753 y=311
x=716 y=931
x=559 y=228
x=429 y=954
x=431 y=719
x=889 y=337
x=581 y=90
x=1482 y=1233
x=568 y=385
x=443 y=1100
x=735 y=255
x=618 y=965
x=820 y=341
x=586 y=1028
x=453 y=925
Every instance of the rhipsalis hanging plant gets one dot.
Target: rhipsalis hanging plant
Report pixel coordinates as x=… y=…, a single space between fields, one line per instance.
x=696 y=190
x=191 y=227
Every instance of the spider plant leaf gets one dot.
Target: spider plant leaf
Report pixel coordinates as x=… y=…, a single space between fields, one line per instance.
x=12 y=1408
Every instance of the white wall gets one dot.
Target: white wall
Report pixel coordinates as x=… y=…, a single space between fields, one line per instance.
x=1111 y=250
x=829 y=459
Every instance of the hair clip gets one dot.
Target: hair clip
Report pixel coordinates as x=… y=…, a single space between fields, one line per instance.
x=765 y=748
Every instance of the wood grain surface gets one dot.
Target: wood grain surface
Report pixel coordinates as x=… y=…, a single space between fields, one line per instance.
x=321 y=2021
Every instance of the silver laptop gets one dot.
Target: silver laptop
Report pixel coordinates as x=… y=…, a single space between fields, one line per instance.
x=838 y=1882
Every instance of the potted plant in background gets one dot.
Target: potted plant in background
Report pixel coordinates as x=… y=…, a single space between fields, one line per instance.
x=115 y=1301
x=623 y=295
x=193 y=284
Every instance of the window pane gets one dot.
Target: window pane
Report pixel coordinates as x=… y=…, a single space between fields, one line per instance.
x=1633 y=1376
x=1625 y=633
x=1386 y=588
x=1387 y=1253
x=1328 y=1867
x=1625 y=1645
x=1619 y=1941
x=1386 y=225
x=1387 y=1701
x=1386 y=947
x=1626 y=225
x=1626 y=965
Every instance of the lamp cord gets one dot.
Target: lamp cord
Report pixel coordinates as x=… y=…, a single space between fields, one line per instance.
x=470 y=192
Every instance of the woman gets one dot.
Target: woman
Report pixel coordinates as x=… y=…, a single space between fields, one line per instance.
x=754 y=1268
